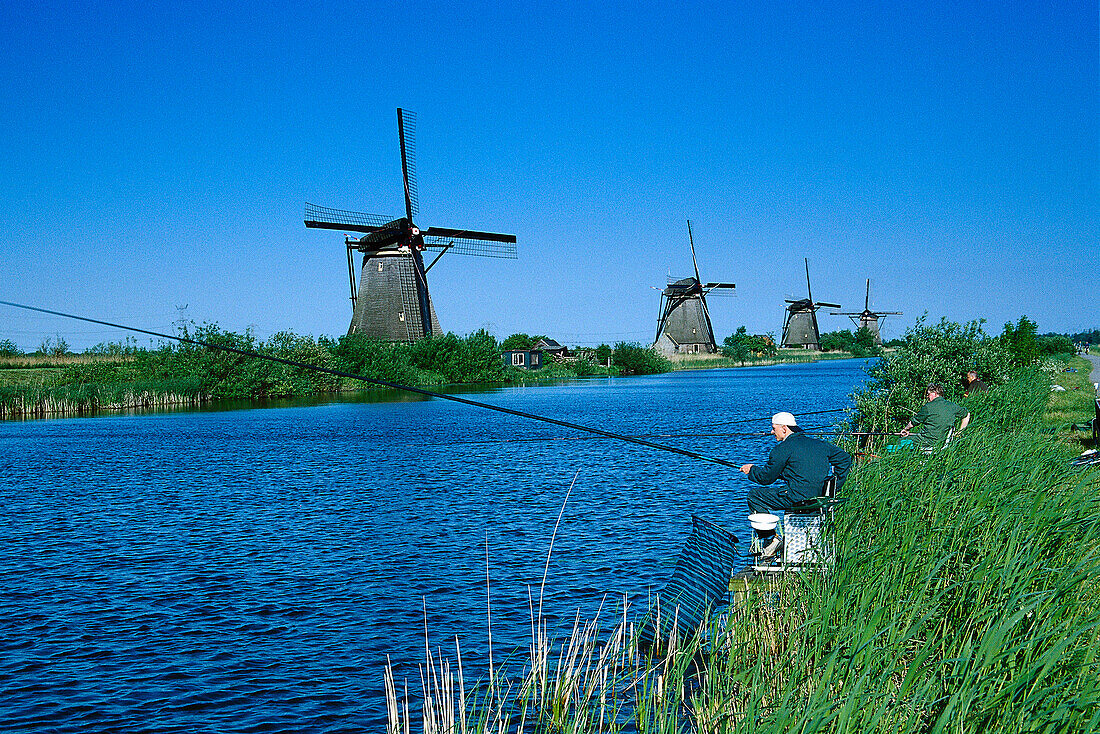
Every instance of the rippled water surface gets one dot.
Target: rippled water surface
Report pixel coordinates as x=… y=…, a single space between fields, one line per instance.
x=250 y=570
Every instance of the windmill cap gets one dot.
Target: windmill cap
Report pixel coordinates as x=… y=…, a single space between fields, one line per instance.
x=784 y=419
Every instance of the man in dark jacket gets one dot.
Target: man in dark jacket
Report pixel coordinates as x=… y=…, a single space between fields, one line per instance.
x=803 y=463
x=973 y=384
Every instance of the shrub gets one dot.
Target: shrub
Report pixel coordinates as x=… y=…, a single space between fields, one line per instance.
x=1022 y=341
x=1052 y=344
x=54 y=347
x=742 y=345
x=931 y=353
x=634 y=359
x=521 y=341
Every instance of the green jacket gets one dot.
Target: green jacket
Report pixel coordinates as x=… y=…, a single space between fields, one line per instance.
x=803 y=463
x=934 y=420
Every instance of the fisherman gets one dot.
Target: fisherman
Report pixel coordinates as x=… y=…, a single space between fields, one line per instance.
x=973 y=384
x=935 y=421
x=804 y=463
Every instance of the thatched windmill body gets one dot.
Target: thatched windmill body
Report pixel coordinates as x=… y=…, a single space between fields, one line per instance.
x=800 y=326
x=392 y=300
x=868 y=319
x=683 y=321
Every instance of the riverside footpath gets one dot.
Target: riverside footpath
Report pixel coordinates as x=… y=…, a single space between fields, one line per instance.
x=1094 y=376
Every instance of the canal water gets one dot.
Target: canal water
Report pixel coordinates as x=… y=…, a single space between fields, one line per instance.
x=251 y=569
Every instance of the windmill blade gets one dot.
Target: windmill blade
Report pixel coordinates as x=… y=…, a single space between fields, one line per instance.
x=819 y=304
x=723 y=290
x=809 y=293
x=322 y=217
x=469 y=234
x=471 y=243
x=406 y=129
x=867 y=300
x=691 y=241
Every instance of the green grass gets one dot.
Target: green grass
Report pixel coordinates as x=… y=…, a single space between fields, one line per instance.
x=964 y=598
x=29 y=375
x=1077 y=403
x=785 y=356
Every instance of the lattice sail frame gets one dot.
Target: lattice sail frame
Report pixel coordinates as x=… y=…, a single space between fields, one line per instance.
x=470 y=246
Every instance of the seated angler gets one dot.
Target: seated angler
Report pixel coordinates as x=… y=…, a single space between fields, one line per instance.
x=802 y=462
x=935 y=421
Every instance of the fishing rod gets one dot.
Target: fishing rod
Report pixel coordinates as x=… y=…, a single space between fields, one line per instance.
x=814 y=431
x=536 y=439
x=752 y=420
x=850 y=433
x=374 y=381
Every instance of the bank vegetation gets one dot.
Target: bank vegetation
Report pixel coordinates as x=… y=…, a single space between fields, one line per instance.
x=963 y=596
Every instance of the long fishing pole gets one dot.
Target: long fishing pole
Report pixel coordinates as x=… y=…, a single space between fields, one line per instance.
x=374 y=381
x=814 y=431
x=753 y=420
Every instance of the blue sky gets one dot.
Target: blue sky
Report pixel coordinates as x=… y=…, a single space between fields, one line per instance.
x=156 y=155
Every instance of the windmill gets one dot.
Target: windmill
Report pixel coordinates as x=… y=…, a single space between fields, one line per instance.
x=868 y=319
x=392 y=301
x=683 y=323
x=800 y=327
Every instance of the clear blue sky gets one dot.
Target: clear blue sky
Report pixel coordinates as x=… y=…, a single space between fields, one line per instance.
x=154 y=155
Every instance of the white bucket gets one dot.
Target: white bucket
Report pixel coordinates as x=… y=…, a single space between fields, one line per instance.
x=763 y=521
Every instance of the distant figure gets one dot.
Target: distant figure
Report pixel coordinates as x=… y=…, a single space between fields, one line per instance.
x=803 y=463
x=973 y=384
x=935 y=421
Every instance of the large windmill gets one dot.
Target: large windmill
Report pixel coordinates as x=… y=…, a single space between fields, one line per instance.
x=683 y=323
x=868 y=319
x=392 y=301
x=800 y=327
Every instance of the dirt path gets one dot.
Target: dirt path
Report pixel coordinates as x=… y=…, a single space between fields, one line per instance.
x=1094 y=376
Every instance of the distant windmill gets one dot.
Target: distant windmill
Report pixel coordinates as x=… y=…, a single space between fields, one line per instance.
x=800 y=327
x=392 y=301
x=683 y=323
x=868 y=319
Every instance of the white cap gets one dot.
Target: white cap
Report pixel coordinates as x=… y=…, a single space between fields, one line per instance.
x=783 y=419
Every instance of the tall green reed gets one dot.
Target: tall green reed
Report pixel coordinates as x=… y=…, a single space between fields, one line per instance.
x=964 y=596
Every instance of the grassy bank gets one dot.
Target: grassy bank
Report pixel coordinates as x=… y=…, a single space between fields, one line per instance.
x=1070 y=411
x=783 y=356
x=964 y=597
x=189 y=374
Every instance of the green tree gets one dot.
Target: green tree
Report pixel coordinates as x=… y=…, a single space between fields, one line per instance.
x=838 y=341
x=634 y=359
x=603 y=353
x=521 y=341
x=54 y=347
x=8 y=348
x=940 y=353
x=741 y=345
x=737 y=345
x=1022 y=341
x=1054 y=344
